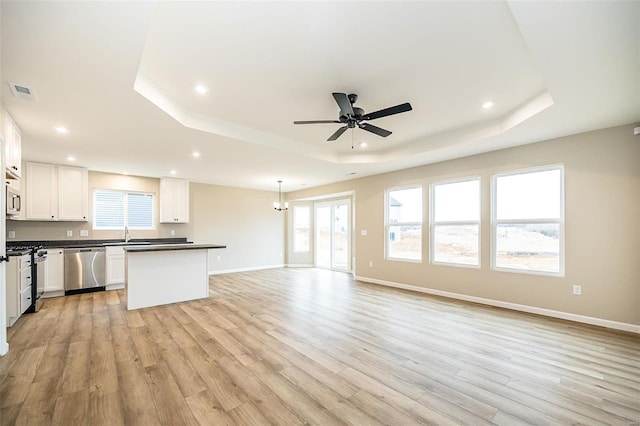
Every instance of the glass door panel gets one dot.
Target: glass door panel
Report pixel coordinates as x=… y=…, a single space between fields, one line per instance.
x=340 y=237
x=323 y=236
x=333 y=239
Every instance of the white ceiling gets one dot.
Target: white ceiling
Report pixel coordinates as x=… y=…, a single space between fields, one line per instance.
x=121 y=77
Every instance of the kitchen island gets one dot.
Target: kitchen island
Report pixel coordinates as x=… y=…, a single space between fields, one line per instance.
x=167 y=273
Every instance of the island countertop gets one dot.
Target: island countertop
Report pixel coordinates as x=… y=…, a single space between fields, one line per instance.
x=170 y=247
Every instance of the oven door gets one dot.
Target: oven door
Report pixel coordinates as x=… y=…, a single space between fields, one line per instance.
x=39 y=260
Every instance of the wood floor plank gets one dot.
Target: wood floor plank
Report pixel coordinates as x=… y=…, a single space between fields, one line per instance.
x=105 y=409
x=217 y=380
x=72 y=409
x=248 y=414
x=75 y=377
x=207 y=410
x=307 y=346
x=137 y=403
x=170 y=403
x=274 y=409
x=305 y=406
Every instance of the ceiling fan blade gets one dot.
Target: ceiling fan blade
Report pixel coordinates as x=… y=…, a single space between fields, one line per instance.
x=343 y=102
x=316 y=122
x=374 y=129
x=338 y=133
x=388 y=111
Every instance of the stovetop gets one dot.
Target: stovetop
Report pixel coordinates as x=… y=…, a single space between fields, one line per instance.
x=23 y=249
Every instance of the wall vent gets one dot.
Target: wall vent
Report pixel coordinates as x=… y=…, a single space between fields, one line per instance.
x=23 y=92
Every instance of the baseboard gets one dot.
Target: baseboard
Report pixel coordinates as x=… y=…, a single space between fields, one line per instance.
x=114 y=286
x=633 y=328
x=4 y=348
x=300 y=265
x=252 y=268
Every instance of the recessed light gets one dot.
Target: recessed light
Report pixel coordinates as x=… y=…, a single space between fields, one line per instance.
x=196 y=154
x=61 y=129
x=173 y=172
x=487 y=105
x=124 y=173
x=202 y=89
x=363 y=144
x=71 y=158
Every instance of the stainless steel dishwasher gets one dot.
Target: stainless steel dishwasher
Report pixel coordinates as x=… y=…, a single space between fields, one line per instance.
x=84 y=270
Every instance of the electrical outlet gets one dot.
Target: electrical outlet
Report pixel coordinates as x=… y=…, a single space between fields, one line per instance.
x=84 y=233
x=371 y=264
x=218 y=258
x=173 y=232
x=577 y=290
x=12 y=234
x=69 y=233
x=363 y=232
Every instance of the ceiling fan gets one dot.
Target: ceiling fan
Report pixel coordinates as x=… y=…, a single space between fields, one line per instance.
x=352 y=116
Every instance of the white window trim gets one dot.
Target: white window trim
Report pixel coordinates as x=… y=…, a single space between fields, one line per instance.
x=309 y=228
x=387 y=224
x=433 y=223
x=495 y=222
x=134 y=228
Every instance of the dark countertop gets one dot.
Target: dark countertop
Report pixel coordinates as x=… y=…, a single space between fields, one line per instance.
x=18 y=252
x=93 y=243
x=171 y=247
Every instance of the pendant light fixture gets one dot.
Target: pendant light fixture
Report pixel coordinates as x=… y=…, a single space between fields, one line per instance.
x=278 y=205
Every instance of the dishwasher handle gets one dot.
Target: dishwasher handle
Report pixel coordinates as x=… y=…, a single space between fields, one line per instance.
x=82 y=250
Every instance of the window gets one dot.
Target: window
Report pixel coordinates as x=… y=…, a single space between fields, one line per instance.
x=455 y=222
x=528 y=221
x=301 y=231
x=117 y=209
x=404 y=223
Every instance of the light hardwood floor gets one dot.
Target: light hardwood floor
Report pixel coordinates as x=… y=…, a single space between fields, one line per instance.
x=308 y=346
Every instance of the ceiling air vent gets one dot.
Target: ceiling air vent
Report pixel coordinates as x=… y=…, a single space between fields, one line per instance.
x=23 y=92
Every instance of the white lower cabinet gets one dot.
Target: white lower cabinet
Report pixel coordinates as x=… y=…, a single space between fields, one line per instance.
x=54 y=271
x=18 y=287
x=25 y=299
x=115 y=265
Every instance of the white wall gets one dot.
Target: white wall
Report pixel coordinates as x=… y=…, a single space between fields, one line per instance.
x=602 y=234
x=242 y=219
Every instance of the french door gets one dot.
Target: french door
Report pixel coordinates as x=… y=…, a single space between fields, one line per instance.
x=333 y=235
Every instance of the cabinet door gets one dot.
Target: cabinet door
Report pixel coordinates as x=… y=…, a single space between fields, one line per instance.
x=166 y=200
x=16 y=152
x=13 y=290
x=42 y=191
x=25 y=299
x=174 y=200
x=54 y=270
x=72 y=193
x=181 y=200
x=115 y=265
x=13 y=147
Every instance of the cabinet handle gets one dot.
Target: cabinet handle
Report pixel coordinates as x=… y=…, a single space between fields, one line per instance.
x=4 y=259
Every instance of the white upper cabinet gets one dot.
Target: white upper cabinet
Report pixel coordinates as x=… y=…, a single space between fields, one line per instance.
x=56 y=192
x=174 y=200
x=73 y=188
x=13 y=148
x=42 y=192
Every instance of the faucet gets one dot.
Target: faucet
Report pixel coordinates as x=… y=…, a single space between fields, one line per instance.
x=127 y=236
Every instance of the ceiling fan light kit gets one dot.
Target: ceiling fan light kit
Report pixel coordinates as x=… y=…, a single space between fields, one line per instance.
x=352 y=116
